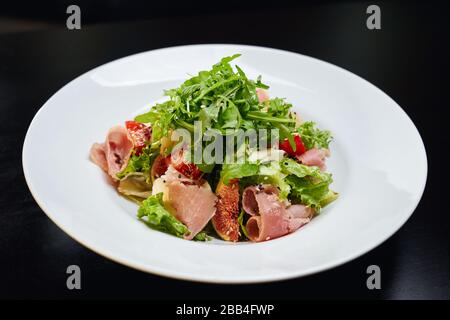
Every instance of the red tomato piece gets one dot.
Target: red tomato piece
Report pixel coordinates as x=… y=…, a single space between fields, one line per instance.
x=286 y=146
x=140 y=133
x=184 y=167
x=160 y=166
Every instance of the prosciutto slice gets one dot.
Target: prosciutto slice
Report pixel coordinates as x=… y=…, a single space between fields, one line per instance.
x=271 y=218
x=97 y=156
x=113 y=155
x=314 y=157
x=262 y=94
x=299 y=215
x=190 y=201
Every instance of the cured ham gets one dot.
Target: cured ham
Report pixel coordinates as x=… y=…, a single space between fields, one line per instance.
x=314 y=157
x=98 y=156
x=191 y=202
x=113 y=155
x=271 y=218
x=299 y=215
x=262 y=94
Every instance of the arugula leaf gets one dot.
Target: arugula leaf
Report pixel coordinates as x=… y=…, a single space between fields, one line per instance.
x=231 y=117
x=279 y=108
x=221 y=98
x=267 y=117
x=208 y=116
x=150 y=117
x=153 y=213
x=259 y=84
x=313 y=137
x=161 y=117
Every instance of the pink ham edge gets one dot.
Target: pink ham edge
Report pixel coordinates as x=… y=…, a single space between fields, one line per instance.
x=314 y=157
x=262 y=94
x=98 y=156
x=270 y=217
x=267 y=213
x=113 y=155
x=299 y=215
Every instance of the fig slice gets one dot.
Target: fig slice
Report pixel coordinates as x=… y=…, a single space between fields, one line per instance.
x=225 y=220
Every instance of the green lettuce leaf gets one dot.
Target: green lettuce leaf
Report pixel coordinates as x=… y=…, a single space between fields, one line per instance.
x=309 y=185
x=138 y=163
x=153 y=213
x=237 y=171
x=290 y=166
x=308 y=191
x=329 y=198
x=270 y=173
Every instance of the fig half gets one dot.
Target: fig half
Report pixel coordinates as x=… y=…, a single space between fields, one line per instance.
x=225 y=220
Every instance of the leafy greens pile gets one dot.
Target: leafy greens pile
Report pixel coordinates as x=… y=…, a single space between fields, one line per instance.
x=225 y=99
x=222 y=99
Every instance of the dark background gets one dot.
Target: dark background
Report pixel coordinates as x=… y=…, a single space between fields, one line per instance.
x=407 y=58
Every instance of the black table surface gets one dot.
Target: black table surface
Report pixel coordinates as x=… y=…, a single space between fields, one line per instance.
x=407 y=59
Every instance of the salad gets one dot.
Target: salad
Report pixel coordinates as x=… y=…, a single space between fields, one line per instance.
x=220 y=158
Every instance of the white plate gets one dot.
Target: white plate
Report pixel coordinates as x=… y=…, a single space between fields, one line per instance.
x=378 y=163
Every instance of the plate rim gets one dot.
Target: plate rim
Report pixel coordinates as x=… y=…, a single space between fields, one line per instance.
x=109 y=254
